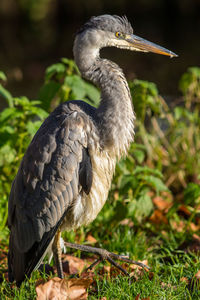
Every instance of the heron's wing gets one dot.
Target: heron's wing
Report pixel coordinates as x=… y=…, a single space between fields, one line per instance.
x=54 y=169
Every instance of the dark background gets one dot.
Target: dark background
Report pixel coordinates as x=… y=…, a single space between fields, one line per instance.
x=37 y=33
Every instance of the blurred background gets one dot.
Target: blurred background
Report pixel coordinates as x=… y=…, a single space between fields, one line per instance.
x=37 y=33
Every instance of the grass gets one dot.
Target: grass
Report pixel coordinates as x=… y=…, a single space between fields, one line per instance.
x=172 y=268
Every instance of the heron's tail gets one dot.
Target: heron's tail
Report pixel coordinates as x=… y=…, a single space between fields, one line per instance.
x=16 y=263
x=21 y=264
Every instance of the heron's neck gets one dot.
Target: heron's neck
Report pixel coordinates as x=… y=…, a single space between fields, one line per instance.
x=115 y=113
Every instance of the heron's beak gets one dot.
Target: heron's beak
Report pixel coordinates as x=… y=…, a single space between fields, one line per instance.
x=140 y=44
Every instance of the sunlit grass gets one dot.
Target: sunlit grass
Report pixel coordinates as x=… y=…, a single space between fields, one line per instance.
x=169 y=266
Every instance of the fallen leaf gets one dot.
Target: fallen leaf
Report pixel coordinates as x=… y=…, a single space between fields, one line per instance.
x=168 y=285
x=138 y=271
x=193 y=227
x=127 y=222
x=158 y=217
x=91 y=239
x=197 y=275
x=63 y=289
x=167 y=195
x=196 y=237
x=116 y=195
x=136 y=267
x=161 y=203
x=138 y=298
x=73 y=265
x=165 y=285
x=151 y=275
x=107 y=269
x=87 y=274
x=77 y=288
x=194 y=283
x=178 y=226
x=164 y=233
x=184 y=279
x=184 y=210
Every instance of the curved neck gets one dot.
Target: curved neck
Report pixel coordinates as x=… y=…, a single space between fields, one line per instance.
x=115 y=114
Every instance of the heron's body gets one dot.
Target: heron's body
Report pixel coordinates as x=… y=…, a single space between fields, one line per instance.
x=66 y=173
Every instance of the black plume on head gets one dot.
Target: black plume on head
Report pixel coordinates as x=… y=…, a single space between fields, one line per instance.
x=108 y=23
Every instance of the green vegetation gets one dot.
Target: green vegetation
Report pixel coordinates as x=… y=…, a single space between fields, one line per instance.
x=153 y=210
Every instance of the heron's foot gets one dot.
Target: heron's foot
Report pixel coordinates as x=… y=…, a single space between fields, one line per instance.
x=106 y=255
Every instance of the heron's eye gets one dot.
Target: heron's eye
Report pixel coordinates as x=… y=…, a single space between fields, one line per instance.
x=118 y=34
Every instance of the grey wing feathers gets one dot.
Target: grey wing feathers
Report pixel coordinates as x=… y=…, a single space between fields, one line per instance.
x=47 y=182
x=85 y=171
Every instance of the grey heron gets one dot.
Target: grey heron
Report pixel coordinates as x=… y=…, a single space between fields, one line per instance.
x=65 y=175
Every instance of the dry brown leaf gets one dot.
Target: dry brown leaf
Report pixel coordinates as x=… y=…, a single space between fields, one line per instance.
x=151 y=275
x=107 y=269
x=161 y=203
x=193 y=227
x=116 y=195
x=184 y=279
x=63 y=289
x=91 y=239
x=77 y=288
x=165 y=285
x=138 y=271
x=197 y=275
x=158 y=217
x=178 y=226
x=164 y=233
x=195 y=281
x=136 y=267
x=138 y=298
x=73 y=265
x=167 y=195
x=184 y=210
x=196 y=237
x=127 y=222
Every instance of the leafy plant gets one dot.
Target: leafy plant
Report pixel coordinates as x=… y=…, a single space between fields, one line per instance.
x=190 y=86
x=192 y=194
x=145 y=99
x=63 y=82
x=171 y=138
x=18 y=124
x=135 y=183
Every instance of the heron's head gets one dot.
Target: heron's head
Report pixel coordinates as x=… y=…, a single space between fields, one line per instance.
x=107 y=31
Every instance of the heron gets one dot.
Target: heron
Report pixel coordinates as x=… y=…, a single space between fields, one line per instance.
x=65 y=175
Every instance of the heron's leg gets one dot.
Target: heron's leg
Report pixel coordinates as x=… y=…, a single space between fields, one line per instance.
x=57 y=251
x=105 y=255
